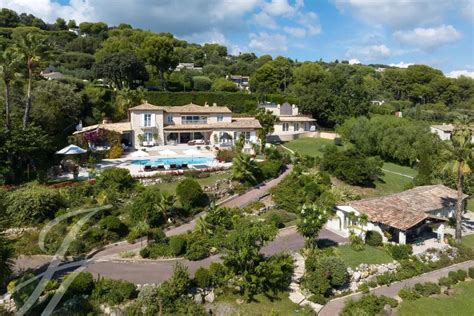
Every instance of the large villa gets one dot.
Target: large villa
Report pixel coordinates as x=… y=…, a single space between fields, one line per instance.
x=149 y=125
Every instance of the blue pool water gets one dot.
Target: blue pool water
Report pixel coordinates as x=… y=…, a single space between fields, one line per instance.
x=175 y=161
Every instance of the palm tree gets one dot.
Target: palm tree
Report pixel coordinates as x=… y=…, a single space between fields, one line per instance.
x=167 y=202
x=9 y=62
x=244 y=169
x=462 y=152
x=32 y=47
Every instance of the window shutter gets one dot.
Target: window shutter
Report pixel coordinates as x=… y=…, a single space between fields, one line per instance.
x=153 y=118
x=142 y=120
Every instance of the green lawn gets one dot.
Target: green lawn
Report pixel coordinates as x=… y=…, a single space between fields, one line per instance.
x=280 y=306
x=468 y=241
x=470 y=204
x=459 y=303
x=170 y=188
x=392 y=182
x=369 y=255
x=309 y=146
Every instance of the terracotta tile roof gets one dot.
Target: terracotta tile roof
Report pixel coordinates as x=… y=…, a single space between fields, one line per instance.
x=296 y=119
x=116 y=127
x=406 y=209
x=147 y=107
x=237 y=123
x=188 y=108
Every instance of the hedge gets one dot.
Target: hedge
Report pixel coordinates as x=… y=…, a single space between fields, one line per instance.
x=236 y=101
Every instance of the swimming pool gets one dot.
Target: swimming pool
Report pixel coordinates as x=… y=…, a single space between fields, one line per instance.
x=173 y=161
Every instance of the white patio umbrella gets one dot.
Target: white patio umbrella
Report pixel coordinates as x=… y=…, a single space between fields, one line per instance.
x=139 y=153
x=167 y=152
x=192 y=152
x=71 y=150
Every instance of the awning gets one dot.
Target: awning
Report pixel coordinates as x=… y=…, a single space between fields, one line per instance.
x=71 y=150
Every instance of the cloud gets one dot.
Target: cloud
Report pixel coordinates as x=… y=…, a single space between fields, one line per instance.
x=396 y=13
x=369 y=53
x=212 y=36
x=295 y=31
x=459 y=73
x=182 y=18
x=268 y=43
x=310 y=20
x=401 y=65
x=281 y=7
x=264 y=20
x=354 y=61
x=429 y=37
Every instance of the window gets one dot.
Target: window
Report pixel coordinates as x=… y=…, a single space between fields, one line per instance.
x=170 y=119
x=247 y=135
x=148 y=137
x=146 y=120
x=194 y=119
x=296 y=127
x=220 y=118
x=285 y=127
x=306 y=128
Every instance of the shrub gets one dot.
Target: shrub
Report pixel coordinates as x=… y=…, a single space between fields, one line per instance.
x=446 y=281
x=385 y=278
x=368 y=305
x=410 y=268
x=335 y=269
x=372 y=284
x=399 y=252
x=461 y=275
x=454 y=276
x=270 y=168
x=115 y=179
x=113 y=223
x=427 y=289
x=325 y=272
x=32 y=204
x=373 y=238
x=364 y=288
x=158 y=235
x=177 y=245
x=202 y=83
x=83 y=283
x=202 y=278
x=471 y=272
x=156 y=250
x=115 y=152
x=190 y=193
x=357 y=243
x=197 y=250
x=408 y=294
x=217 y=272
x=225 y=155
x=113 y=292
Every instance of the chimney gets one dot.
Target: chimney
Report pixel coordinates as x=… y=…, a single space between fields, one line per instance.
x=206 y=105
x=214 y=104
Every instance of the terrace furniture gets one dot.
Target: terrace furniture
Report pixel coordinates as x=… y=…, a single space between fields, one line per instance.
x=160 y=167
x=192 y=143
x=184 y=166
x=173 y=166
x=147 y=168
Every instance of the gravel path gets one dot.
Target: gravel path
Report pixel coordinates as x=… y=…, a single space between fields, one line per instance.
x=335 y=306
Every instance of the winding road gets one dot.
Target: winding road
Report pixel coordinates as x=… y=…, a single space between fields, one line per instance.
x=108 y=263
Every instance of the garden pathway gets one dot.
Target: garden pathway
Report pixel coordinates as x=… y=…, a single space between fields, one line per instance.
x=398 y=173
x=335 y=306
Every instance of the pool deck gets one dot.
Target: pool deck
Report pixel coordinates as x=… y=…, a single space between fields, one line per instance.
x=136 y=170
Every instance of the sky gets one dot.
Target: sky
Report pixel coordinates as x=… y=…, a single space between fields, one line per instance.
x=439 y=33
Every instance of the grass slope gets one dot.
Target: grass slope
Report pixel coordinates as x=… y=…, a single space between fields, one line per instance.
x=309 y=146
x=369 y=255
x=263 y=305
x=460 y=303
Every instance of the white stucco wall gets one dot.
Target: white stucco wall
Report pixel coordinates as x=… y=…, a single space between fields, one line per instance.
x=441 y=134
x=136 y=119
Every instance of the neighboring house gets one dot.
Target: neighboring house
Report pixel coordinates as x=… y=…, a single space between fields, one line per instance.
x=405 y=215
x=51 y=73
x=291 y=124
x=445 y=131
x=241 y=81
x=187 y=66
x=378 y=102
x=150 y=125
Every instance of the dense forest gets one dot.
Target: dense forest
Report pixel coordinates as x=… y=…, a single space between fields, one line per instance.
x=107 y=69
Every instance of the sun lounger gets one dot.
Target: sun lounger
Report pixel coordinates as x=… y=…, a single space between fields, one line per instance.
x=147 y=168
x=161 y=167
x=173 y=166
x=184 y=166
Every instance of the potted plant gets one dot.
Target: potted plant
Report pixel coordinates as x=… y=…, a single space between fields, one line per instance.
x=140 y=139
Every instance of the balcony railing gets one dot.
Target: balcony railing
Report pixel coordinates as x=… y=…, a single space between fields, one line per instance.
x=185 y=122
